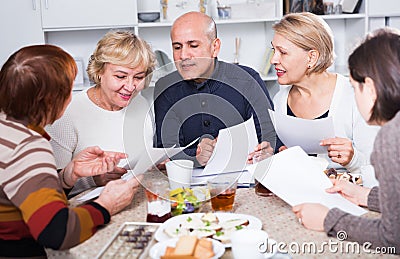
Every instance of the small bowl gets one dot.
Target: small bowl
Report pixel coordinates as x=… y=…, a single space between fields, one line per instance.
x=149 y=17
x=224 y=12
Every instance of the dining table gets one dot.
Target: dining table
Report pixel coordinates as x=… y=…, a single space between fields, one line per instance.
x=278 y=220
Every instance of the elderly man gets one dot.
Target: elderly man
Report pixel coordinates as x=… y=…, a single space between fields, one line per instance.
x=205 y=95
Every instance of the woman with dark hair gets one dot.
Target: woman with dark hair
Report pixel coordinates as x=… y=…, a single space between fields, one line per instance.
x=35 y=89
x=375 y=76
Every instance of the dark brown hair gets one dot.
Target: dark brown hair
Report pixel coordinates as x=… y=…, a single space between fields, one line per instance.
x=378 y=58
x=35 y=83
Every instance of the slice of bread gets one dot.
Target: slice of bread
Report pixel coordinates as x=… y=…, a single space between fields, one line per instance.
x=204 y=249
x=189 y=247
x=186 y=245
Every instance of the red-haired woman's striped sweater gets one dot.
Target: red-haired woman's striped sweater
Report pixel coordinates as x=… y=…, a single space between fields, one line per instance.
x=34 y=210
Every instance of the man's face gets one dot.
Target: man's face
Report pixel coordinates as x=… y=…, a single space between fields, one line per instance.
x=193 y=51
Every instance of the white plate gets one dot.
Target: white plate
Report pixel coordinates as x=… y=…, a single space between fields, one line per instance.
x=160 y=235
x=157 y=250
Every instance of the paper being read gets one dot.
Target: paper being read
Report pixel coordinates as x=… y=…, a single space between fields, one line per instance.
x=150 y=157
x=296 y=178
x=233 y=146
x=307 y=134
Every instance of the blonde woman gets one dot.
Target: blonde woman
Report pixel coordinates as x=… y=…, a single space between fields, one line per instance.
x=303 y=51
x=120 y=67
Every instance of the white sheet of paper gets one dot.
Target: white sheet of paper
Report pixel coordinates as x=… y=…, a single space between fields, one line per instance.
x=307 y=134
x=244 y=178
x=152 y=156
x=296 y=178
x=233 y=146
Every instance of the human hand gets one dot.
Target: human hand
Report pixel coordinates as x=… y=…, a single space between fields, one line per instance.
x=352 y=192
x=94 y=161
x=118 y=194
x=340 y=150
x=282 y=148
x=103 y=179
x=161 y=165
x=204 y=150
x=261 y=152
x=311 y=215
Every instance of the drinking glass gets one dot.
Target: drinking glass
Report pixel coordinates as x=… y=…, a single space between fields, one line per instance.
x=158 y=204
x=222 y=192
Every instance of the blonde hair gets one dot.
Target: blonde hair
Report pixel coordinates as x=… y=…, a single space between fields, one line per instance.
x=309 y=32
x=122 y=48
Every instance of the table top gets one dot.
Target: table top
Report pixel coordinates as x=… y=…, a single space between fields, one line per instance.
x=276 y=215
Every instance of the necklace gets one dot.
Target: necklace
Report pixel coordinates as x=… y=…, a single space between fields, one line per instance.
x=96 y=100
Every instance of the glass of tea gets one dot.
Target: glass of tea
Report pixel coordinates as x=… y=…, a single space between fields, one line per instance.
x=222 y=192
x=158 y=204
x=261 y=190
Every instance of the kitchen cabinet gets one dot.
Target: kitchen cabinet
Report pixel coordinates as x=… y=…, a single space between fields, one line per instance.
x=77 y=25
x=75 y=14
x=20 y=25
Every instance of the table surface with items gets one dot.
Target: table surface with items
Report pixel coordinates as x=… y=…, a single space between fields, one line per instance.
x=278 y=220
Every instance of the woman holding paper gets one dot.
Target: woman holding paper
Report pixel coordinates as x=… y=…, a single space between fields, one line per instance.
x=35 y=89
x=375 y=76
x=303 y=51
x=120 y=67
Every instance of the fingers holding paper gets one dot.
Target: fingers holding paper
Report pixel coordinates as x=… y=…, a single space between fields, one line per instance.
x=352 y=192
x=311 y=215
x=340 y=150
x=261 y=152
x=94 y=161
x=115 y=174
x=118 y=194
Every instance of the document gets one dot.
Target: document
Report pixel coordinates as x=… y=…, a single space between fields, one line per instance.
x=232 y=148
x=245 y=177
x=296 y=178
x=151 y=156
x=307 y=134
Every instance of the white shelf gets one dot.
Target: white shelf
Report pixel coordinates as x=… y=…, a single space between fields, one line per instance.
x=343 y=16
x=233 y=21
x=85 y=28
x=154 y=24
x=386 y=15
x=217 y=21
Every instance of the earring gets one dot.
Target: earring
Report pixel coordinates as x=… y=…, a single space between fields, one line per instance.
x=309 y=66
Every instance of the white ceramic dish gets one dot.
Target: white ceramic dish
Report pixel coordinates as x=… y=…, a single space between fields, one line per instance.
x=157 y=250
x=160 y=235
